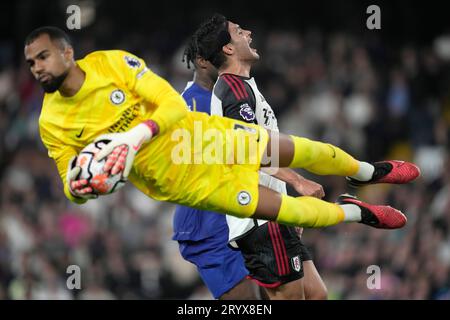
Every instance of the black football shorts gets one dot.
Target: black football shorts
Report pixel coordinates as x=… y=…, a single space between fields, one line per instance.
x=273 y=254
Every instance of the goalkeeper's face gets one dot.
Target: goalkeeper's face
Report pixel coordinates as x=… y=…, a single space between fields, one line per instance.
x=49 y=61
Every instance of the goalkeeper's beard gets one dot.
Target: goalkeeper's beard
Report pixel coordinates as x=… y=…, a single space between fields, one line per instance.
x=54 y=83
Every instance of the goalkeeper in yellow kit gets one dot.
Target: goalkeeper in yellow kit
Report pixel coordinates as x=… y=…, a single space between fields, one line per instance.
x=114 y=93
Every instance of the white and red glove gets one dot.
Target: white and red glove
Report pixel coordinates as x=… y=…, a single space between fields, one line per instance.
x=78 y=187
x=123 y=147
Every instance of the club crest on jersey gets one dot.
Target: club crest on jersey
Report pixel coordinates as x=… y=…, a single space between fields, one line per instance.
x=296 y=265
x=117 y=97
x=246 y=112
x=244 y=198
x=132 y=62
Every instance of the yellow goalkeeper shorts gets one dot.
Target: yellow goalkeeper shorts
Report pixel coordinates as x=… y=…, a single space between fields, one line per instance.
x=206 y=162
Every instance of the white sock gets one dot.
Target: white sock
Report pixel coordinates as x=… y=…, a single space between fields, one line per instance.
x=352 y=213
x=365 y=172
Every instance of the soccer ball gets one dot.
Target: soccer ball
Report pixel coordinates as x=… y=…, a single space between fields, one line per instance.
x=102 y=183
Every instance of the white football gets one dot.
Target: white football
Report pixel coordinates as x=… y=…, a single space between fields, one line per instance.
x=102 y=183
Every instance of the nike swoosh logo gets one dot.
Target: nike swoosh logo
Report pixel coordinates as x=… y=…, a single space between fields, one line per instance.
x=79 y=135
x=136 y=148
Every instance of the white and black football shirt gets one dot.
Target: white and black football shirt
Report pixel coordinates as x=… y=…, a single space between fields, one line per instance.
x=238 y=98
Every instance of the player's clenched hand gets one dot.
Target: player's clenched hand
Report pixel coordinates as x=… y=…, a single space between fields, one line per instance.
x=78 y=187
x=122 y=148
x=308 y=188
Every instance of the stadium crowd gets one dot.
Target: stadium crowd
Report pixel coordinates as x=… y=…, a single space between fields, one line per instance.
x=374 y=100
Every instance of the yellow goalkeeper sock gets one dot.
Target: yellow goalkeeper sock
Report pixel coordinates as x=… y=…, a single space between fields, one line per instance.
x=309 y=212
x=322 y=158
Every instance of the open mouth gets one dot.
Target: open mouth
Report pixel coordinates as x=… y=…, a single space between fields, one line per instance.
x=250 y=45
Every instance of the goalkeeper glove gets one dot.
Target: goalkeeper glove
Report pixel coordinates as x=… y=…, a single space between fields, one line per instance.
x=78 y=188
x=123 y=147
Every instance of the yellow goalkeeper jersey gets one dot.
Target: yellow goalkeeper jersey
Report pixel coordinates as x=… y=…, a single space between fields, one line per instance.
x=118 y=93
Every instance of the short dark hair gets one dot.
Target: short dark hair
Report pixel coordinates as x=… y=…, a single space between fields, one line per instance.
x=54 y=33
x=209 y=39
